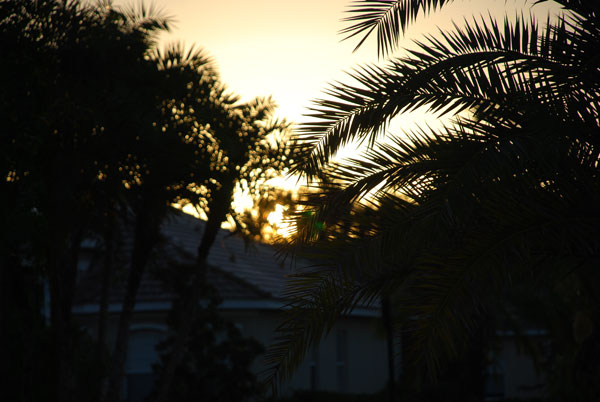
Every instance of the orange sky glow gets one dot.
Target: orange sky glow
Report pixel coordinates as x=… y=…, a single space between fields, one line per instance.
x=291 y=50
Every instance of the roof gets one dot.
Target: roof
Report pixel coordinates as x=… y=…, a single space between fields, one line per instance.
x=237 y=272
x=245 y=277
x=256 y=265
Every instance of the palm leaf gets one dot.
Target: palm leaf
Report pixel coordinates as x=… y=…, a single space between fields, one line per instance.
x=443 y=220
x=389 y=17
x=469 y=72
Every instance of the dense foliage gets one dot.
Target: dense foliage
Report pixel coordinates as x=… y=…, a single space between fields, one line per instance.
x=218 y=359
x=450 y=223
x=102 y=133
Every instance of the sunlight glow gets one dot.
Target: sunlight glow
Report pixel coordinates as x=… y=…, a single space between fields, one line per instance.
x=278 y=221
x=292 y=50
x=242 y=201
x=276 y=216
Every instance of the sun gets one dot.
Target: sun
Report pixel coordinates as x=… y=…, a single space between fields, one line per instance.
x=277 y=220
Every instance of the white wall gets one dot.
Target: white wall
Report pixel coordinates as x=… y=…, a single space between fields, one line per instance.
x=363 y=371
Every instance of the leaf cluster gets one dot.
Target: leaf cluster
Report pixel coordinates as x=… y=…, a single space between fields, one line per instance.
x=103 y=132
x=444 y=220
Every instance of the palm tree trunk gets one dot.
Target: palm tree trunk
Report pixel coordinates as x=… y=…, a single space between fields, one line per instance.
x=107 y=268
x=189 y=298
x=62 y=262
x=147 y=227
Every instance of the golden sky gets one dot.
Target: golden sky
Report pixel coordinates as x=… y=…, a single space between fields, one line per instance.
x=287 y=49
x=291 y=49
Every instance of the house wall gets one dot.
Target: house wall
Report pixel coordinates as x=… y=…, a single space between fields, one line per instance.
x=360 y=368
x=522 y=380
x=352 y=358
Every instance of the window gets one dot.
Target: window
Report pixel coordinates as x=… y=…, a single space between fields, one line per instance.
x=141 y=355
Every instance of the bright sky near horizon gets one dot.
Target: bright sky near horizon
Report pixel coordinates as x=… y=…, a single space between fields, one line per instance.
x=284 y=48
x=291 y=49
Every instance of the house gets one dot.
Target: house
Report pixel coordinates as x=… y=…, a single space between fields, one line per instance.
x=251 y=283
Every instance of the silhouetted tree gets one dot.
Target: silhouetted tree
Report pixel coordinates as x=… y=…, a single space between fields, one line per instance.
x=217 y=357
x=164 y=165
x=77 y=98
x=91 y=141
x=102 y=133
x=246 y=145
x=445 y=219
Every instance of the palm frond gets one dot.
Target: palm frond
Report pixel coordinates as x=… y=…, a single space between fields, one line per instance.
x=389 y=18
x=148 y=17
x=444 y=219
x=175 y=55
x=477 y=69
x=319 y=296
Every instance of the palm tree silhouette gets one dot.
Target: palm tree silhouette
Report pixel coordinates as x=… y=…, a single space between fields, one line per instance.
x=443 y=220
